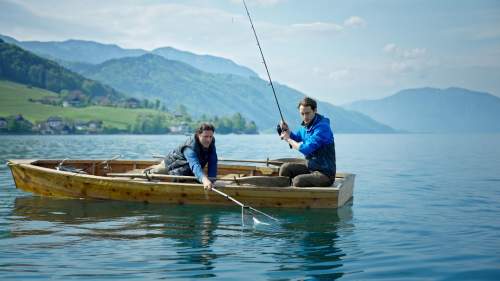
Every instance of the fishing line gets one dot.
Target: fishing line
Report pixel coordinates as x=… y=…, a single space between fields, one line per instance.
x=279 y=128
x=243 y=206
x=264 y=62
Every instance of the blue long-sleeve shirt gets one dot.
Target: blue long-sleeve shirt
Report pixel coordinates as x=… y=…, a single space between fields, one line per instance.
x=318 y=146
x=197 y=166
x=314 y=136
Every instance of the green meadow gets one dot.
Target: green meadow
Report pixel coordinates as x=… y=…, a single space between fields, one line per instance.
x=14 y=99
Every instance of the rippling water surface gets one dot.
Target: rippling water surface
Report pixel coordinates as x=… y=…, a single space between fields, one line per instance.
x=426 y=207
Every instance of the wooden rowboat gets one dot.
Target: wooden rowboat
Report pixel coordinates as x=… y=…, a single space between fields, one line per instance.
x=258 y=186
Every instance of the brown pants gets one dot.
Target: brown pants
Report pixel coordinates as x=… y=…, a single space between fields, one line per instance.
x=302 y=177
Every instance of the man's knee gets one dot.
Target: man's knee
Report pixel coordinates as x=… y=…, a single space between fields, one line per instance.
x=312 y=179
x=293 y=169
x=301 y=181
x=285 y=170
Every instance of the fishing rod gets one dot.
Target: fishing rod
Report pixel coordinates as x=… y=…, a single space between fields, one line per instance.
x=279 y=129
x=264 y=61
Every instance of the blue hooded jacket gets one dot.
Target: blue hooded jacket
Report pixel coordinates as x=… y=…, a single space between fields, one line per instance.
x=318 y=145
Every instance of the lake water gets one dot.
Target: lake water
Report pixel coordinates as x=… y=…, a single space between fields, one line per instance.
x=426 y=207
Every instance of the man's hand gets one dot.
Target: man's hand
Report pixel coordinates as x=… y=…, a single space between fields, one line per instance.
x=285 y=135
x=207 y=184
x=285 y=132
x=284 y=126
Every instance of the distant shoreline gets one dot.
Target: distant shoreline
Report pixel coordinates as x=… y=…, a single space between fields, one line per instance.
x=119 y=134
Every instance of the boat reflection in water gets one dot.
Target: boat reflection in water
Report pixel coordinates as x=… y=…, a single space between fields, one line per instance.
x=310 y=247
x=180 y=241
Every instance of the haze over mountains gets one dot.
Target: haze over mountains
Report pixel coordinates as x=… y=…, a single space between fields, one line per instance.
x=217 y=86
x=202 y=92
x=152 y=76
x=89 y=52
x=21 y=66
x=451 y=110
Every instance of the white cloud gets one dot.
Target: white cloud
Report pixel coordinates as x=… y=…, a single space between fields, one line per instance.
x=316 y=27
x=402 y=66
x=311 y=28
x=405 y=61
x=339 y=75
x=317 y=70
x=390 y=48
x=306 y=54
x=354 y=21
x=414 y=53
x=399 y=52
x=146 y=25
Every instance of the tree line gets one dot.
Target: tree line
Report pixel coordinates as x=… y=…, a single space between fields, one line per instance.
x=159 y=124
x=152 y=123
x=27 y=68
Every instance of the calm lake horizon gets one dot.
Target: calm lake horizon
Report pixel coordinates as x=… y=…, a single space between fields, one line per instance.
x=425 y=207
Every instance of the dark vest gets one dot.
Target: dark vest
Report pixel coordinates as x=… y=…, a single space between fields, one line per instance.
x=177 y=164
x=323 y=160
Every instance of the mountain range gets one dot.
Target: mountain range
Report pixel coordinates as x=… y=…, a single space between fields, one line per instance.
x=176 y=83
x=217 y=86
x=24 y=67
x=201 y=92
x=432 y=110
x=82 y=52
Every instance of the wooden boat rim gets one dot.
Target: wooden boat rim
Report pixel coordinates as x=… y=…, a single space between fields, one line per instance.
x=31 y=164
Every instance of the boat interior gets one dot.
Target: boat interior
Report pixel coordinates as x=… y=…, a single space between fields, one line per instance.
x=240 y=172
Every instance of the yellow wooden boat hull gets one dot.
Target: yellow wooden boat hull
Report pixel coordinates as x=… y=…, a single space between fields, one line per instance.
x=41 y=177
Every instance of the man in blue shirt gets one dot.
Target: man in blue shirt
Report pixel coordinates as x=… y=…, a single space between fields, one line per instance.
x=192 y=156
x=315 y=140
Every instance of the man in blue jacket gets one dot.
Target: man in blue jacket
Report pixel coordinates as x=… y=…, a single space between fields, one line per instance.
x=315 y=140
x=192 y=156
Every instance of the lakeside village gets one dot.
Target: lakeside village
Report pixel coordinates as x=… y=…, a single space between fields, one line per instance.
x=145 y=124
x=54 y=125
x=159 y=122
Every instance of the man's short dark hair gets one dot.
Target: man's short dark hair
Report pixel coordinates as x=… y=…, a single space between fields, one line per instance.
x=205 y=127
x=307 y=101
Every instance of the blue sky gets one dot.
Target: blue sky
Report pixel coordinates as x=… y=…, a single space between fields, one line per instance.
x=336 y=51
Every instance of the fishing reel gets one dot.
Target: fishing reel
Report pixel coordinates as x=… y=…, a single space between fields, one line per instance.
x=280 y=130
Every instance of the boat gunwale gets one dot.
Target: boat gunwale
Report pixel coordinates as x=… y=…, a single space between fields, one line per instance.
x=31 y=164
